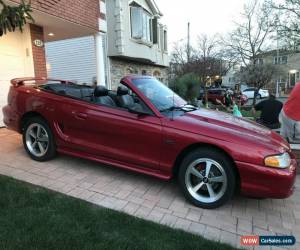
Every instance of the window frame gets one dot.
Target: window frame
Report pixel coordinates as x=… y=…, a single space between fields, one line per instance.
x=278 y=60
x=149 y=31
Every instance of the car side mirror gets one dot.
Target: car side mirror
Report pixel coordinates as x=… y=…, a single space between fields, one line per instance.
x=136 y=109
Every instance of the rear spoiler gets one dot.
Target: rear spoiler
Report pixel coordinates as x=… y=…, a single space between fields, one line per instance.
x=37 y=80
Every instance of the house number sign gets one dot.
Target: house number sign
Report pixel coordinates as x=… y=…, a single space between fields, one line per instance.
x=38 y=43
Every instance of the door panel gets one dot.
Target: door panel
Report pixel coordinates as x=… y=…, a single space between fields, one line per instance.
x=113 y=133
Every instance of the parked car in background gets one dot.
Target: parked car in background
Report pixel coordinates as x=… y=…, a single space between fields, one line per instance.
x=145 y=127
x=262 y=93
x=219 y=93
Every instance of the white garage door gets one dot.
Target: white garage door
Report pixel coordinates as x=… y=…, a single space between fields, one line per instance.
x=11 y=66
x=15 y=61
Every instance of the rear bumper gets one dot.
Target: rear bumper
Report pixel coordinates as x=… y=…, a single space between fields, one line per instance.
x=265 y=182
x=11 y=118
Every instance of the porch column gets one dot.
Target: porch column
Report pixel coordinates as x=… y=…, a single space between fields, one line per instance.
x=38 y=50
x=100 y=66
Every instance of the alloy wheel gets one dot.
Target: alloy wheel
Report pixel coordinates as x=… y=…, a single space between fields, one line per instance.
x=206 y=180
x=37 y=140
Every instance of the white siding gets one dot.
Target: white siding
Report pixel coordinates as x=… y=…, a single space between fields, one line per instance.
x=73 y=59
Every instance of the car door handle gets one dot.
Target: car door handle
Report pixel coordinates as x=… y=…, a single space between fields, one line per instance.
x=78 y=115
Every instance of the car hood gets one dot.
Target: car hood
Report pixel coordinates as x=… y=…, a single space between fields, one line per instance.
x=223 y=126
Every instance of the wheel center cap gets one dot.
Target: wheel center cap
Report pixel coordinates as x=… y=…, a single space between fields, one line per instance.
x=205 y=180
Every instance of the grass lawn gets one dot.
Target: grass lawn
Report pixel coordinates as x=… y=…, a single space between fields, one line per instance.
x=36 y=218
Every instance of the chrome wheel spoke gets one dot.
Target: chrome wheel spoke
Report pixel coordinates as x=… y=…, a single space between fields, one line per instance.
x=43 y=139
x=217 y=179
x=197 y=187
x=208 y=168
x=211 y=191
x=41 y=148
x=38 y=133
x=195 y=172
x=34 y=145
x=32 y=134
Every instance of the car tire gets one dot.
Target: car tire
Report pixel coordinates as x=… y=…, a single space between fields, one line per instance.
x=38 y=139
x=204 y=186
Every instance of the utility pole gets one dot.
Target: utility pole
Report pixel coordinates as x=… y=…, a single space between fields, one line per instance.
x=188 y=44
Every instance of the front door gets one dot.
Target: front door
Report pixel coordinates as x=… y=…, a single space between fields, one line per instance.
x=292 y=79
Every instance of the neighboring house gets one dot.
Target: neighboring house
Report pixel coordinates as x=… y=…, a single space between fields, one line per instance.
x=23 y=54
x=135 y=42
x=287 y=63
x=230 y=79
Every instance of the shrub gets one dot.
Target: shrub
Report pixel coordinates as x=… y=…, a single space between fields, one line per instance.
x=187 y=86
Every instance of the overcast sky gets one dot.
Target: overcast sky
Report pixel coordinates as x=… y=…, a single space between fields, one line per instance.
x=205 y=16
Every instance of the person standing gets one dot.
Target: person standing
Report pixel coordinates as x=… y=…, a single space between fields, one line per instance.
x=270 y=110
x=290 y=117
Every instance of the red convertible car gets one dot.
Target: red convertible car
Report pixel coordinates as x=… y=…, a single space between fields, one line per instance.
x=145 y=127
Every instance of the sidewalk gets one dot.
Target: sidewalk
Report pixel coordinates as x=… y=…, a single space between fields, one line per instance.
x=150 y=198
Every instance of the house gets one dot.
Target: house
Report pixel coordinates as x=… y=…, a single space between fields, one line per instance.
x=230 y=78
x=287 y=66
x=22 y=54
x=134 y=42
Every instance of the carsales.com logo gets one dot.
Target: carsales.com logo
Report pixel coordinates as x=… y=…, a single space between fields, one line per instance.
x=255 y=240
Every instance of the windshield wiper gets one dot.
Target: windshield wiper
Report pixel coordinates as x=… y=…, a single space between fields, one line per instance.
x=189 y=107
x=172 y=108
x=185 y=108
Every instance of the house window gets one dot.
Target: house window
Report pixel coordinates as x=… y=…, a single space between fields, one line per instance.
x=280 y=60
x=141 y=24
x=259 y=61
x=161 y=37
x=165 y=41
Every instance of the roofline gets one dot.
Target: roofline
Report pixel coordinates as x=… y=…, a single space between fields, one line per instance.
x=281 y=51
x=154 y=6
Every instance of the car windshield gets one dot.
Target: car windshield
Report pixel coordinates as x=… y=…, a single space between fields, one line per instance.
x=160 y=95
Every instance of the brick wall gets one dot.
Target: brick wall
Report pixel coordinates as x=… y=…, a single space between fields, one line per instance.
x=38 y=53
x=82 y=12
x=119 y=68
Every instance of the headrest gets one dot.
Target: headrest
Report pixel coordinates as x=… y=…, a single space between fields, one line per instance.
x=100 y=91
x=122 y=90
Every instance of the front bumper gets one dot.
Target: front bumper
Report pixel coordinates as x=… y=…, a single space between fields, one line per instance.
x=266 y=182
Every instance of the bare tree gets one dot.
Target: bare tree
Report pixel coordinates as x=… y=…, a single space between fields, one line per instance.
x=191 y=66
x=208 y=47
x=249 y=38
x=179 y=53
x=287 y=16
x=257 y=75
x=206 y=58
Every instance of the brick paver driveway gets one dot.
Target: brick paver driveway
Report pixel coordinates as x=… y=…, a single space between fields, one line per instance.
x=151 y=198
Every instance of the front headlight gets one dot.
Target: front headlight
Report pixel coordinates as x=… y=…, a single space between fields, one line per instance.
x=278 y=161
